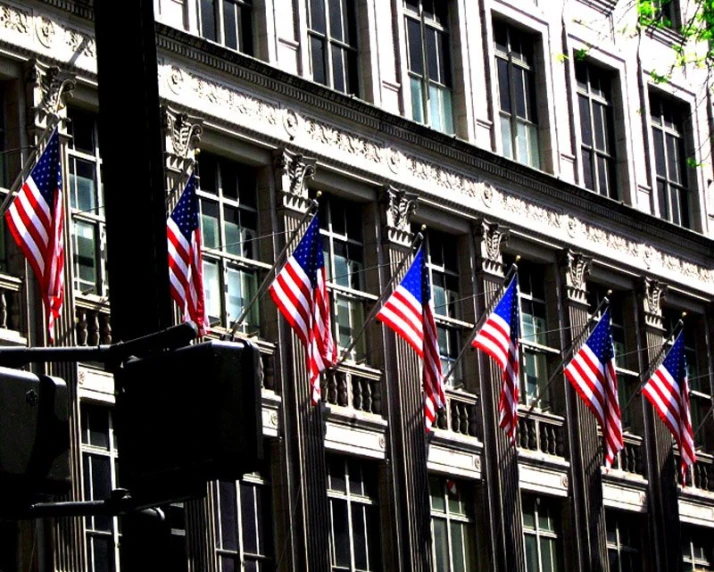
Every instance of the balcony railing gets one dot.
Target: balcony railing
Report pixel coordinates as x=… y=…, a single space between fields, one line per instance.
x=355 y=390
x=10 y=306
x=460 y=413
x=93 y=327
x=701 y=475
x=630 y=459
x=541 y=432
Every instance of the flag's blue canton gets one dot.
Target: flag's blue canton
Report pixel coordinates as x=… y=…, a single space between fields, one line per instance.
x=185 y=214
x=308 y=253
x=675 y=361
x=507 y=309
x=47 y=174
x=416 y=281
x=600 y=341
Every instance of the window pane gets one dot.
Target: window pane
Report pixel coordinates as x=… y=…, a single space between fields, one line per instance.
x=417 y=99
x=208 y=20
x=249 y=518
x=317 y=16
x=416 y=62
x=228 y=515
x=319 y=73
x=336 y=27
x=359 y=532
x=230 y=24
x=210 y=225
x=212 y=290
x=338 y=68
x=504 y=86
x=340 y=533
x=85 y=255
x=507 y=136
x=441 y=544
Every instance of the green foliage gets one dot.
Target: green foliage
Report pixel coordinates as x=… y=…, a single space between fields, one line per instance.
x=658 y=78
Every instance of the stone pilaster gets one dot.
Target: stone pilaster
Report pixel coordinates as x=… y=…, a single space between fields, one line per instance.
x=503 y=498
x=586 y=509
x=662 y=473
x=47 y=89
x=404 y=400
x=304 y=446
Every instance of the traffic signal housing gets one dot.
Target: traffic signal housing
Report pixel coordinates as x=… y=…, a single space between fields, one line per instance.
x=188 y=416
x=34 y=438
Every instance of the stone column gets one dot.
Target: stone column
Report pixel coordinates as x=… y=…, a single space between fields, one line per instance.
x=404 y=401
x=47 y=88
x=181 y=137
x=587 y=513
x=304 y=424
x=662 y=472
x=503 y=498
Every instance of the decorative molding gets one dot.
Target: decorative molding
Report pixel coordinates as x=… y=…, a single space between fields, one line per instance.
x=400 y=206
x=576 y=268
x=46 y=31
x=488 y=237
x=14 y=19
x=183 y=132
x=50 y=87
x=293 y=170
x=653 y=293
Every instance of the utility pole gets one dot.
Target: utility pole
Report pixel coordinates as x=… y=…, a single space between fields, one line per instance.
x=134 y=195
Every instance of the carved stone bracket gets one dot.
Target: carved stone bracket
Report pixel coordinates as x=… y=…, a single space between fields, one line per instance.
x=292 y=171
x=653 y=293
x=576 y=267
x=182 y=134
x=400 y=205
x=48 y=89
x=488 y=237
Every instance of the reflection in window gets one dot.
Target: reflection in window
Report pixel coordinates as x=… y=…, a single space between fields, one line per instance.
x=86 y=203
x=517 y=93
x=596 y=128
x=243 y=521
x=623 y=542
x=229 y=227
x=670 y=160
x=343 y=248
x=333 y=44
x=443 y=268
x=452 y=525
x=429 y=60
x=354 y=520
x=228 y=22
x=542 y=534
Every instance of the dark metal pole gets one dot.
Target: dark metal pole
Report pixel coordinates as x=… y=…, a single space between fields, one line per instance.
x=134 y=190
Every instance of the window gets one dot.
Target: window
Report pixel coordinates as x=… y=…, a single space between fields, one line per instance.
x=333 y=44
x=99 y=470
x=660 y=13
x=343 y=248
x=596 y=128
x=697 y=549
x=628 y=381
x=452 y=526
x=535 y=351
x=517 y=93
x=86 y=204
x=670 y=161
x=442 y=265
x=623 y=542
x=354 y=521
x=243 y=520
x=228 y=22
x=229 y=223
x=541 y=531
x=428 y=53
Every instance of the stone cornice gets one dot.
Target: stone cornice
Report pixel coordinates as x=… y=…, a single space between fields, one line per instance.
x=381 y=122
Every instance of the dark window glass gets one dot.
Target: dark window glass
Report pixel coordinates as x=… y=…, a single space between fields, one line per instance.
x=228 y=22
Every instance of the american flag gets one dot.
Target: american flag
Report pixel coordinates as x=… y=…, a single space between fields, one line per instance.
x=498 y=337
x=592 y=374
x=300 y=293
x=668 y=391
x=36 y=220
x=185 y=263
x=409 y=312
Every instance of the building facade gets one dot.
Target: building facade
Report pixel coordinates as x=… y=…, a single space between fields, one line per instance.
x=564 y=135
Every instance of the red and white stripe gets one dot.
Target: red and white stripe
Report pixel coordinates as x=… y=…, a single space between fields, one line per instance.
x=186 y=274
x=38 y=230
x=672 y=404
x=596 y=383
x=403 y=313
x=432 y=376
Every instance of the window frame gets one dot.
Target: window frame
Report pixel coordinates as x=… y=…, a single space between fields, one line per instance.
x=622 y=524
x=542 y=534
x=86 y=217
x=244 y=26
x=348 y=21
x=465 y=520
x=431 y=113
x=690 y=535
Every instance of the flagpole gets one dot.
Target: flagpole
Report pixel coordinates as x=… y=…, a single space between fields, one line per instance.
x=415 y=244
x=656 y=361
x=29 y=163
x=484 y=317
x=568 y=350
x=264 y=285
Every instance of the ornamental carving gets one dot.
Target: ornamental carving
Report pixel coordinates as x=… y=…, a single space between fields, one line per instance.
x=54 y=87
x=45 y=31
x=183 y=132
x=346 y=142
x=400 y=206
x=576 y=269
x=488 y=237
x=80 y=43
x=291 y=122
x=295 y=170
x=654 y=292
x=15 y=20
